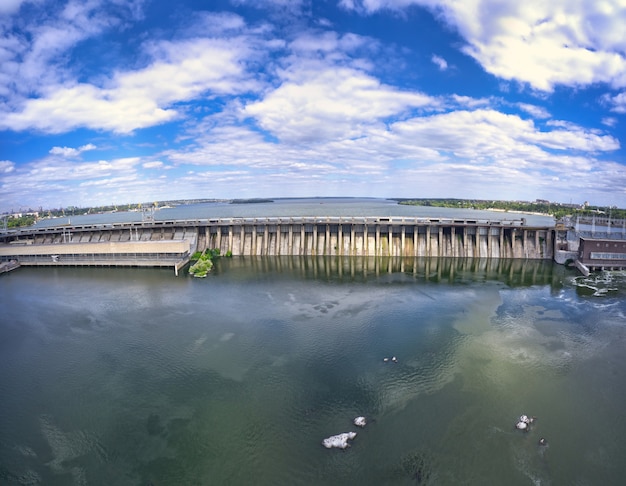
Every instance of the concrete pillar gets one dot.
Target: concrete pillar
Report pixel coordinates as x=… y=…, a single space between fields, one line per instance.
x=402 y=238
x=365 y=238
x=242 y=240
x=453 y=240
x=502 y=252
x=340 y=239
x=352 y=242
x=314 y=242
x=465 y=245
x=218 y=243
x=290 y=242
x=327 y=241
x=429 y=245
x=537 y=247
x=279 y=237
x=441 y=252
x=378 y=250
x=477 y=242
x=266 y=243
x=390 y=240
x=415 y=235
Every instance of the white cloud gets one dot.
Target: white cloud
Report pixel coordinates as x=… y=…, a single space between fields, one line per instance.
x=10 y=6
x=609 y=121
x=330 y=104
x=431 y=155
x=617 y=103
x=440 y=62
x=544 y=44
x=155 y=164
x=132 y=99
x=71 y=152
x=289 y=5
x=38 y=56
x=534 y=110
x=6 y=166
x=329 y=41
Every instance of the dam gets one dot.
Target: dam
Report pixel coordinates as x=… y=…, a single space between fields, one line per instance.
x=170 y=243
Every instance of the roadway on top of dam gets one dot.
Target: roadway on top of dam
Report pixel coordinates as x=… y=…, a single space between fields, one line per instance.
x=256 y=221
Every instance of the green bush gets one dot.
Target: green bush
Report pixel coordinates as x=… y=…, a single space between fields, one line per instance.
x=204 y=262
x=201 y=268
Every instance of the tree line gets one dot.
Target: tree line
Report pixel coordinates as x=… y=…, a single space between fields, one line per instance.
x=557 y=210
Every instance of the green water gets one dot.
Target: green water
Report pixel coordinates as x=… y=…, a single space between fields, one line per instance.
x=136 y=377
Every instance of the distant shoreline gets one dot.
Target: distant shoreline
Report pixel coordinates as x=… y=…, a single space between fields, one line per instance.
x=497 y=210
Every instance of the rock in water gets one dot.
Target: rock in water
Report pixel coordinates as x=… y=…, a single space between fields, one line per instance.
x=360 y=422
x=521 y=425
x=340 y=440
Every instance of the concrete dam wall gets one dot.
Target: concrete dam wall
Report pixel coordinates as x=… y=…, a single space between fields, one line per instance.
x=395 y=237
x=171 y=243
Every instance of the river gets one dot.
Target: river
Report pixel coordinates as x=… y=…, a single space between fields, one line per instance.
x=114 y=376
x=358 y=207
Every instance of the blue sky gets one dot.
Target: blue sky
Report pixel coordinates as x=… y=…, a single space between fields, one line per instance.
x=128 y=101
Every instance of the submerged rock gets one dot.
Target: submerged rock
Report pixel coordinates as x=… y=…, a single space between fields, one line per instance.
x=416 y=465
x=340 y=440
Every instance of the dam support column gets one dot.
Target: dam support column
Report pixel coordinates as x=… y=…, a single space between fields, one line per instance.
x=538 y=249
x=453 y=240
x=340 y=239
x=365 y=237
x=440 y=241
x=477 y=242
x=327 y=241
x=465 y=244
x=353 y=246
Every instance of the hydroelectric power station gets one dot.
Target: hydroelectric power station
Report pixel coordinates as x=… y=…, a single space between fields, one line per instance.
x=171 y=243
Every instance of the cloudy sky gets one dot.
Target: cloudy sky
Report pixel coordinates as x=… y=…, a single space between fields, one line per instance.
x=124 y=101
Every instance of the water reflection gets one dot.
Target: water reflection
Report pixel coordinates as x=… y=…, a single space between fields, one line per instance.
x=511 y=272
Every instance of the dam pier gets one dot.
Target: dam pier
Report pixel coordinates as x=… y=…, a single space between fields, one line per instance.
x=170 y=243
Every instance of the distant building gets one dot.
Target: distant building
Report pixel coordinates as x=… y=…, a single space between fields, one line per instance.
x=21 y=215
